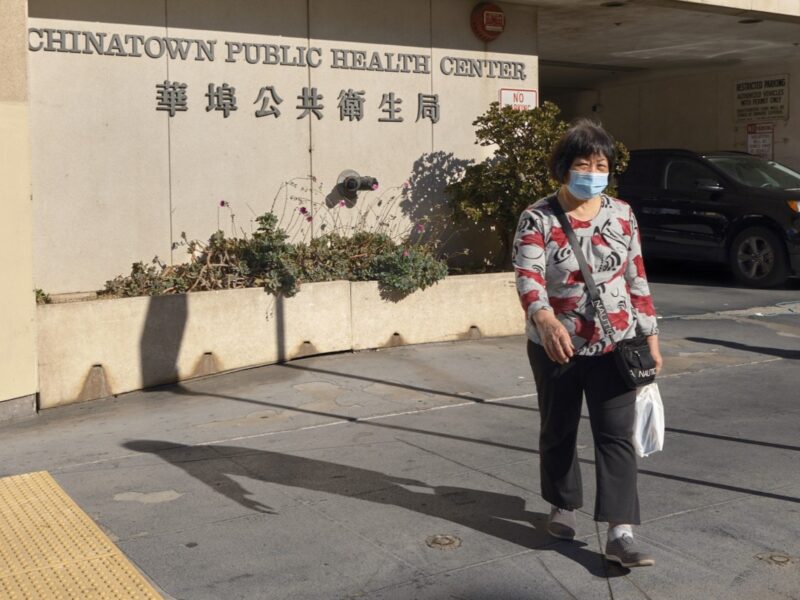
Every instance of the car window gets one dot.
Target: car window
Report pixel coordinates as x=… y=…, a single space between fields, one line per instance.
x=642 y=171
x=682 y=175
x=756 y=172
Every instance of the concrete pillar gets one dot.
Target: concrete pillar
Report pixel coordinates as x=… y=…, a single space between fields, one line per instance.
x=18 y=383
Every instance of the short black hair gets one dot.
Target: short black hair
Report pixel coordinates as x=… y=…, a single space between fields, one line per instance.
x=583 y=139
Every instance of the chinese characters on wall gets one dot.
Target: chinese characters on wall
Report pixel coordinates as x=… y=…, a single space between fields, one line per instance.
x=173 y=97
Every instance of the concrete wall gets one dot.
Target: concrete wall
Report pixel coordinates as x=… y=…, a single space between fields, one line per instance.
x=115 y=180
x=464 y=307
x=689 y=109
x=93 y=349
x=17 y=308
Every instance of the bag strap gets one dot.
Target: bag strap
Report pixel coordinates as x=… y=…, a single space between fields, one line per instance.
x=586 y=270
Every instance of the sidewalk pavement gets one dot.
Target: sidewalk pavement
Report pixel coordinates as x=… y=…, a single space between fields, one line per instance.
x=331 y=477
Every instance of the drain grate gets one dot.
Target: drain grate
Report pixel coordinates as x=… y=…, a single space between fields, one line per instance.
x=443 y=541
x=776 y=558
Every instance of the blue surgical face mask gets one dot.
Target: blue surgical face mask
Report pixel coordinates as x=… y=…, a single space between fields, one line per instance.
x=584 y=186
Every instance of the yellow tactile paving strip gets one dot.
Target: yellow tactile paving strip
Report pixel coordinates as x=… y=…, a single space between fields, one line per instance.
x=51 y=549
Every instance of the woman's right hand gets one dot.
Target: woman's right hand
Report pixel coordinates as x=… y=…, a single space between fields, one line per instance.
x=554 y=336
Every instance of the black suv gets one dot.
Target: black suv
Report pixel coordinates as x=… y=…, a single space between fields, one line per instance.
x=725 y=207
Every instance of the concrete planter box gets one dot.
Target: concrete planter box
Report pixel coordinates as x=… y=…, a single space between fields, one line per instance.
x=89 y=350
x=460 y=307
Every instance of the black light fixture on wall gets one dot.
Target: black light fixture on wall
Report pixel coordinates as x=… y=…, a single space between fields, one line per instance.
x=349 y=183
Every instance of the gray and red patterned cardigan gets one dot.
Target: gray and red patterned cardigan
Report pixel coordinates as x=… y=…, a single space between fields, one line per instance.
x=549 y=277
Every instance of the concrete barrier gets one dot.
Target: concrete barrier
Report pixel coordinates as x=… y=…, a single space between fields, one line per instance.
x=460 y=307
x=93 y=349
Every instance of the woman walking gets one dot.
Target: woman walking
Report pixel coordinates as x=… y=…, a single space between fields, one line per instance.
x=568 y=350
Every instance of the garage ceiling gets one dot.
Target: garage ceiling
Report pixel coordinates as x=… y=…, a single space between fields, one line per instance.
x=582 y=42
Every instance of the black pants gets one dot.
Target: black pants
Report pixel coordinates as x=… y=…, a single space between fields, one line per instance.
x=611 y=413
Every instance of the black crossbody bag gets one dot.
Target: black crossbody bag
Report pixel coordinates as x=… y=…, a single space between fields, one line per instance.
x=633 y=358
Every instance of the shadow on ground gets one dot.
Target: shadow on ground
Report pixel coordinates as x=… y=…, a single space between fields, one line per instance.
x=789 y=354
x=499 y=515
x=497 y=444
x=698 y=273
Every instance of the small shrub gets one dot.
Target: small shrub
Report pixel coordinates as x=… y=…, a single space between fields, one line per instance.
x=266 y=259
x=221 y=263
x=144 y=280
x=403 y=271
x=334 y=256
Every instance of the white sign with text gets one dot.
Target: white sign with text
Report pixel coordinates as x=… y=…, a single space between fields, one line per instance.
x=762 y=98
x=760 y=140
x=519 y=99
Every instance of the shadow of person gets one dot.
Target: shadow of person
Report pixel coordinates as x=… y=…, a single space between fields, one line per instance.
x=499 y=515
x=788 y=354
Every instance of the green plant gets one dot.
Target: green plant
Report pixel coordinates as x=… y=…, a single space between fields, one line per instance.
x=494 y=192
x=334 y=256
x=144 y=280
x=403 y=271
x=42 y=297
x=264 y=259
x=268 y=257
x=268 y=260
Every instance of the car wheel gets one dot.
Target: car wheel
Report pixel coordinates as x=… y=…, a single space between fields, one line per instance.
x=758 y=259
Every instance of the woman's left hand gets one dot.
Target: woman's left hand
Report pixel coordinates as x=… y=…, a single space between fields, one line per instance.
x=652 y=341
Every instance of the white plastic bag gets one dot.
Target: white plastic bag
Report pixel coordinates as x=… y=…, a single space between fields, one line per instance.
x=648 y=428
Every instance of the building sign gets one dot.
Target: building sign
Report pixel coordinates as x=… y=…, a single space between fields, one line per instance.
x=174 y=97
x=762 y=98
x=519 y=99
x=760 y=140
x=155 y=47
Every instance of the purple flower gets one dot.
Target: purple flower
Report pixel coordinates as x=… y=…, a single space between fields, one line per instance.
x=420 y=227
x=223 y=204
x=309 y=218
x=405 y=253
x=342 y=203
x=375 y=186
x=406 y=185
x=303 y=210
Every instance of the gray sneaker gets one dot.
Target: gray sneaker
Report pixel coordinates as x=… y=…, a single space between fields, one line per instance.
x=625 y=551
x=562 y=523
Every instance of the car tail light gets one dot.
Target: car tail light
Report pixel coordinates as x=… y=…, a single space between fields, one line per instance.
x=794 y=205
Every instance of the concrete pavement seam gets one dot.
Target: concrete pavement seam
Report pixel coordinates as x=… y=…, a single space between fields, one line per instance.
x=308 y=427
x=454 y=570
x=781 y=308
x=720 y=368
x=331 y=519
x=601 y=551
x=390 y=415
x=739 y=498
x=467 y=467
x=556 y=579
x=696 y=561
